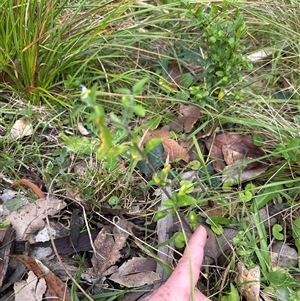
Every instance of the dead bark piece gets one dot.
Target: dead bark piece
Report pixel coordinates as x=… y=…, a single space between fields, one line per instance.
x=165 y=253
x=63 y=244
x=5 y=250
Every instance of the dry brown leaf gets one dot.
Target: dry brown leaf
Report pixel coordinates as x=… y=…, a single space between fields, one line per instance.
x=108 y=246
x=190 y=115
x=30 y=218
x=171 y=147
x=32 y=288
x=231 y=147
x=249 y=281
x=234 y=152
x=56 y=289
x=215 y=245
x=175 y=72
x=136 y=272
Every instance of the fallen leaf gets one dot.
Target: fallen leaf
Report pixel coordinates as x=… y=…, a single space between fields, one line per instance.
x=211 y=248
x=56 y=289
x=235 y=153
x=190 y=115
x=215 y=245
x=249 y=281
x=32 y=288
x=175 y=72
x=21 y=128
x=108 y=246
x=235 y=173
x=28 y=219
x=136 y=272
x=171 y=147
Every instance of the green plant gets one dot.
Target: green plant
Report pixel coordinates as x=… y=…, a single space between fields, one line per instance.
x=223 y=30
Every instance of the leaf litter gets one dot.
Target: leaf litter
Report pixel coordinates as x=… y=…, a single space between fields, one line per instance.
x=235 y=155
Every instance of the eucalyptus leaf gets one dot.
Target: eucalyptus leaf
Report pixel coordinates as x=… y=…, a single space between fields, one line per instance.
x=13 y=204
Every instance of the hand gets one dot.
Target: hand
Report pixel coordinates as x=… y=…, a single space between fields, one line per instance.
x=179 y=285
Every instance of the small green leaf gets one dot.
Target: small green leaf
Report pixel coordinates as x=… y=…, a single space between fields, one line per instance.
x=106 y=141
x=218 y=229
x=194 y=165
x=126 y=103
x=185 y=200
x=218 y=220
x=78 y=144
x=245 y=196
x=117 y=150
x=160 y=214
x=139 y=110
x=180 y=240
x=114 y=200
x=139 y=86
x=233 y=295
x=227 y=186
x=266 y=196
x=296 y=234
x=168 y=203
x=220 y=73
x=193 y=219
x=276 y=229
x=153 y=123
x=4 y=225
x=13 y=204
x=258 y=139
x=186 y=80
x=186 y=187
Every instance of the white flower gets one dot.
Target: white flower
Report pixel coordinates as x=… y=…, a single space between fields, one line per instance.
x=84 y=92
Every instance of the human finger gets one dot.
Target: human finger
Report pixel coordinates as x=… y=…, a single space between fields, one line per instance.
x=186 y=274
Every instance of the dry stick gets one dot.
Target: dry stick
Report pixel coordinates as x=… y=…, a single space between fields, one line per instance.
x=90 y=235
x=58 y=256
x=163 y=226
